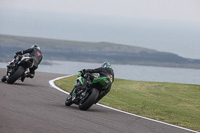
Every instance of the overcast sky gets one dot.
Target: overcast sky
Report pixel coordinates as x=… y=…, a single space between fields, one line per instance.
x=165 y=25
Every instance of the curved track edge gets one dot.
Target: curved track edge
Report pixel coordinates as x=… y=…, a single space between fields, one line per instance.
x=51 y=82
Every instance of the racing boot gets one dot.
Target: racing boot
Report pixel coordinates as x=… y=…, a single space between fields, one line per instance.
x=30 y=75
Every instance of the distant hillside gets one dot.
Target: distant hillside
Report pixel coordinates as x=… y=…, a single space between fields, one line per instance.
x=93 y=52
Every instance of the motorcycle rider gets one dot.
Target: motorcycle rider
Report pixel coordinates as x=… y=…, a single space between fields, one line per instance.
x=36 y=54
x=105 y=71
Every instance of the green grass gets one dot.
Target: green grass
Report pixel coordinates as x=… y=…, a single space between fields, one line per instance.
x=174 y=103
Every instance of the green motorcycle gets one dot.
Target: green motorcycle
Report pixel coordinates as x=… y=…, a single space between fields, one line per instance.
x=87 y=89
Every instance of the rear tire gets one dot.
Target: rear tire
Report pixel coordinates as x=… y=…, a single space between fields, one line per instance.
x=16 y=75
x=90 y=100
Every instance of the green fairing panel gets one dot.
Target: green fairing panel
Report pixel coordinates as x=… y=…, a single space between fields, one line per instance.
x=80 y=78
x=104 y=81
x=79 y=75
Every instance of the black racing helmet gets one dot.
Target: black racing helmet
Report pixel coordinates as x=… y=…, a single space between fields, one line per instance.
x=36 y=46
x=106 y=65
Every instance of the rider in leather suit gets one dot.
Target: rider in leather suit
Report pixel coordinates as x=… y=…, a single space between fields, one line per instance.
x=105 y=71
x=36 y=54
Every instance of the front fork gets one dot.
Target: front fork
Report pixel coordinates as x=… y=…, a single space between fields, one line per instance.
x=9 y=72
x=78 y=94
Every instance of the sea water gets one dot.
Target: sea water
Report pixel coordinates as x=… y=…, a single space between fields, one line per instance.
x=130 y=72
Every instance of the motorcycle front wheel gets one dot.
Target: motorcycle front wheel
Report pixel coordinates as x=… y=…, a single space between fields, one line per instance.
x=16 y=75
x=68 y=101
x=3 y=79
x=87 y=102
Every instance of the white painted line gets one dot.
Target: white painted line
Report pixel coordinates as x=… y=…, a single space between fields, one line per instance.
x=51 y=82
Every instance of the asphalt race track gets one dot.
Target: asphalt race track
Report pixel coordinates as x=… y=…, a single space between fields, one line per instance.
x=35 y=107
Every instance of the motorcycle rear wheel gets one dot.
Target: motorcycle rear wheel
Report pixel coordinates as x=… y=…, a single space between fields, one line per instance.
x=16 y=75
x=89 y=101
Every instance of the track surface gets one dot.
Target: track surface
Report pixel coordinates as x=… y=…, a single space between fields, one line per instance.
x=35 y=107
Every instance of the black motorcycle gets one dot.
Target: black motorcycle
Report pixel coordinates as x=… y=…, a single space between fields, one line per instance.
x=18 y=68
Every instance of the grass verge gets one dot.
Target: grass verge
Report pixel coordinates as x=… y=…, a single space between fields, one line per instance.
x=174 y=103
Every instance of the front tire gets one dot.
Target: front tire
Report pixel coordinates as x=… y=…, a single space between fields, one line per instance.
x=16 y=75
x=68 y=101
x=3 y=79
x=89 y=101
